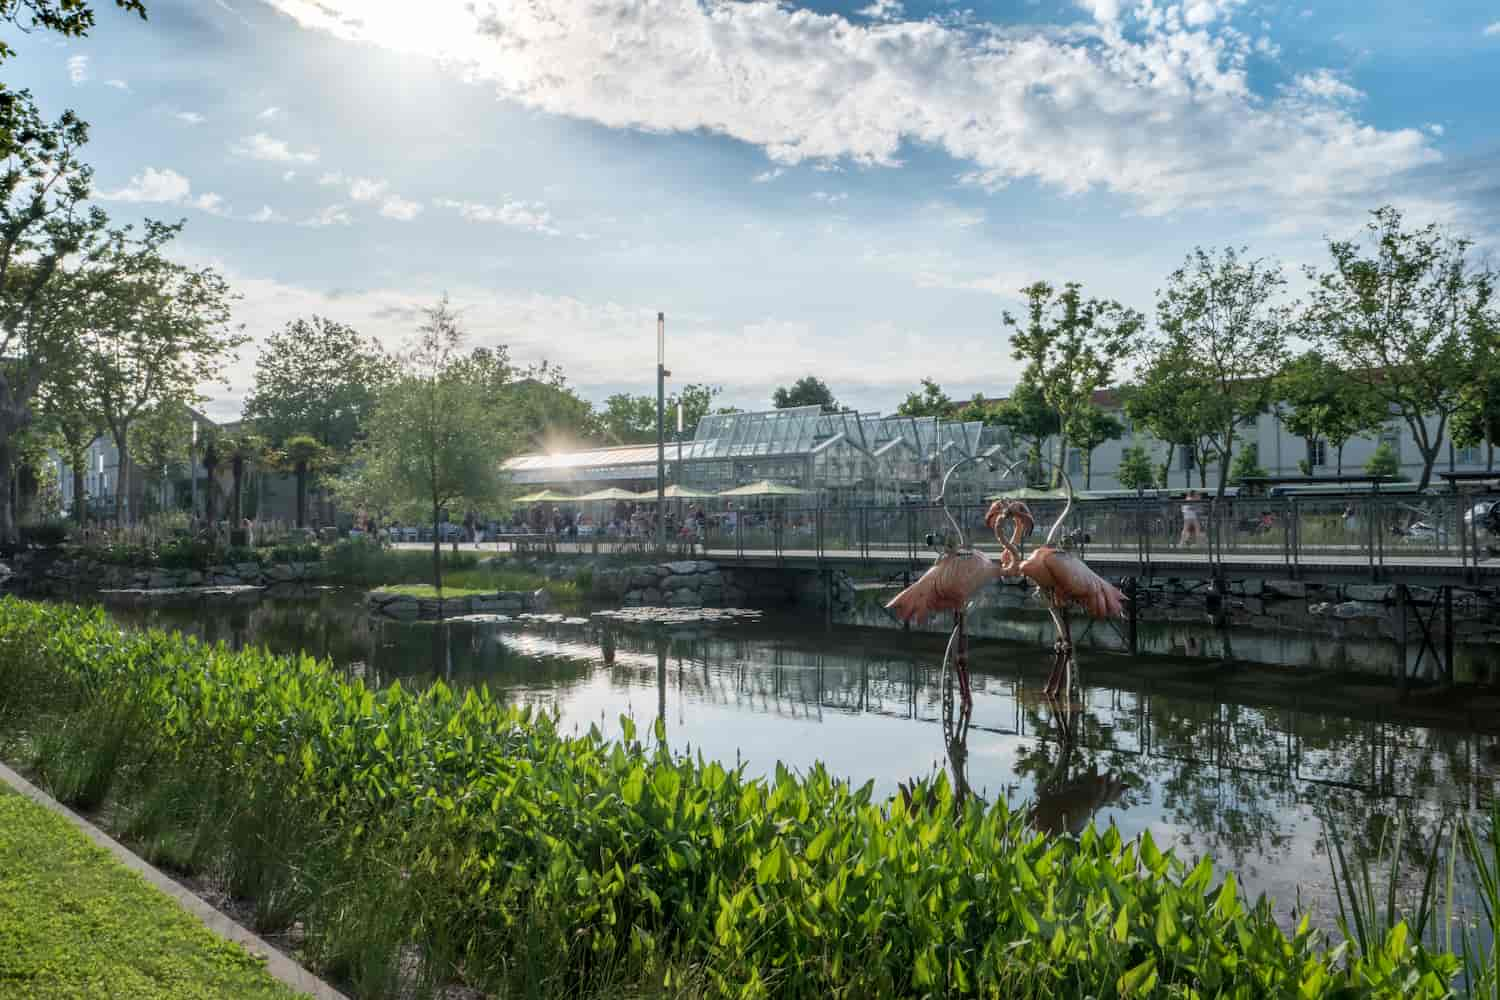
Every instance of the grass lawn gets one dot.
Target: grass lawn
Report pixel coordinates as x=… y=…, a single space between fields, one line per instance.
x=487 y=580
x=76 y=923
x=428 y=590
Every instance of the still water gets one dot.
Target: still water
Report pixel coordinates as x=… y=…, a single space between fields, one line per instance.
x=1243 y=766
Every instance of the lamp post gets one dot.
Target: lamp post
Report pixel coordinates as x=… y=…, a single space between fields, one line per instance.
x=661 y=441
x=678 y=477
x=193 y=471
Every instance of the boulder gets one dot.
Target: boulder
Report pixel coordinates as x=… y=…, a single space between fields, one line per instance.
x=159 y=581
x=247 y=570
x=404 y=608
x=682 y=568
x=650 y=596
x=631 y=599
x=193 y=579
x=1368 y=592
x=1358 y=609
x=1286 y=588
x=539 y=600
x=684 y=599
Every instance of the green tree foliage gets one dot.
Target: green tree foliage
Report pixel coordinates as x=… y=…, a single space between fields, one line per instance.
x=1383 y=462
x=316 y=377
x=43 y=222
x=1326 y=404
x=1247 y=464
x=240 y=446
x=303 y=456
x=809 y=390
x=541 y=409
x=436 y=436
x=930 y=401
x=70 y=18
x=1479 y=417
x=1402 y=311
x=1173 y=401
x=154 y=331
x=1225 y=329
x=1090 y=428
x=1031 y=421
x=1135 y=469
x=161 y=438
x=1071 y=347
x=629 y=419
x=73 y=426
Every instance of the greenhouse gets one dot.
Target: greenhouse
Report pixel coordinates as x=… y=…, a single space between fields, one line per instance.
x=843 y=458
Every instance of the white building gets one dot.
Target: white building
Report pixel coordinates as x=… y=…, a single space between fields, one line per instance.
x=150 y=488
x=1280 y=452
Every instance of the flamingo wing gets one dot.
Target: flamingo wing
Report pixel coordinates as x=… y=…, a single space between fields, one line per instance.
x=949 y=585
x=1078 y=584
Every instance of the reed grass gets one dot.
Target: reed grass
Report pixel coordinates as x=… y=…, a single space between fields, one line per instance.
x=425 y=839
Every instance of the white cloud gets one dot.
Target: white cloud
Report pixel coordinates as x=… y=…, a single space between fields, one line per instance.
x=882 y=10
x=117 y=84
x=1324 y=85
x=290 y=175
x=188 y=117
x=831 y=199
x=396 y=207
x=1434 y=128
x=152 y=185
x=331 y=178
x=333 y=215
x=1164 y=115
x=766 y=176
x=518 y=214
x=78 y=69
x=1492 y=30
x=166 y=186
x=270 y=114
x=261 y=146
x=364 y=189
x=267 y=214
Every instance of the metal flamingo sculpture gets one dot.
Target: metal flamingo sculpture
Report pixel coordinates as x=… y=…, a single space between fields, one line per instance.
x=1062 y=578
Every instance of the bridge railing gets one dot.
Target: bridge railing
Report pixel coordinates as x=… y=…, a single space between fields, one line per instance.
x=1370 y=530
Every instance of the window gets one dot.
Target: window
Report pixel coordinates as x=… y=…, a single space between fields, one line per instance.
x=1075 y=461
x=1317 y=453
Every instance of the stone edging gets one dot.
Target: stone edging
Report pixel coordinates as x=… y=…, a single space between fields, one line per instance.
x=405 y=607
x=277 y=964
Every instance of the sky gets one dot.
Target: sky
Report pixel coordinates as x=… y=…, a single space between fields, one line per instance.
x=857 y=191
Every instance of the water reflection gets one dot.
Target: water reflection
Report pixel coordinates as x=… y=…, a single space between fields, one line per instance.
x=1221 y=766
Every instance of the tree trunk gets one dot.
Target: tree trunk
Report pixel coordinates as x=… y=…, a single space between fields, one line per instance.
x=301 y=494
x=1341 y=460
x=437 y=558
x=1429 y=459
x=237 y=470
x=1062 y=461
x=122 y=474
x=1088 y=469
x=1489 y=465
x=7 y=512
x=1224 y=467
x=79 y=507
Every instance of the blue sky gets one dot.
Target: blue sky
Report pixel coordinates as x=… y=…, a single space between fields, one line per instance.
x=853 y=190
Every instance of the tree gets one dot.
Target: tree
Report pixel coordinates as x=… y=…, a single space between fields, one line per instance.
x=154 y=331
x=302 y=455
x=1091 y=428
x=42 y=224
x=1135 y=471
x=1222 y=318
x=1478 y=418
x=1326 y=404
x=65 y=410
x=316 y=377
x=1071 y=347
x=69 y=18
x=809 y=390
x=435 y=438
x=1401 y=314
x=1031 y=420
x=240 y=446
x=629 y=419
x=208 y=443
x=162 y=437
x=1175 y=402
x=1383 y=462
x=546 y=414
x=1247 y=464
x=931 y=401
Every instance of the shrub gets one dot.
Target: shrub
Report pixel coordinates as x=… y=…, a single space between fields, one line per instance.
x=443 y=831
x=46 y=535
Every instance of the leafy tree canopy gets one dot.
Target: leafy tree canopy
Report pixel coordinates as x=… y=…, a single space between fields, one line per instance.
x=930 y=401
x=1136 y=471
x=317 y=377
x=70 y=18
x=809 y=390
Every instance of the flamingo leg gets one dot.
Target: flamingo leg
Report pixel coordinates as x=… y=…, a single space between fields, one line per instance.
x=1055 y=678
x=961 y=662
x=1069 y=661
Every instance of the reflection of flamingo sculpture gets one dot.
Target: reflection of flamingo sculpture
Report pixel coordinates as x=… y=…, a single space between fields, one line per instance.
x=949 y=585
x=1062 y=578
x=1066 y=802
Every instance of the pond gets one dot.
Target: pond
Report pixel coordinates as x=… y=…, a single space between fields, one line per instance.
x=1242 y=765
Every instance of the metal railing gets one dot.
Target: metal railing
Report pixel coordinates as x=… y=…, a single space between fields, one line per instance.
x=1363 y=533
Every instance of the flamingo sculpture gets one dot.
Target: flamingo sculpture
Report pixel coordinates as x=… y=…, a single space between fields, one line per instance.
x=1061 y=577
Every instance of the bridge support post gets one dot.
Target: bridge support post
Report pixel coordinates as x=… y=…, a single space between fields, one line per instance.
x=1403 y=598
x=1132 y=639
x=1448 y=664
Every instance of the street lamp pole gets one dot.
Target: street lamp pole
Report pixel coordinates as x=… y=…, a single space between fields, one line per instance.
x=661 y=441
x=678 y=477
x=193 y=471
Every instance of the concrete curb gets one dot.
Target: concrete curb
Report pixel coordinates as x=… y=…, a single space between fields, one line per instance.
x=277 y=963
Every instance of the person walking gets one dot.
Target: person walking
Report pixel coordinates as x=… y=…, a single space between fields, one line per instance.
x=1192 y=525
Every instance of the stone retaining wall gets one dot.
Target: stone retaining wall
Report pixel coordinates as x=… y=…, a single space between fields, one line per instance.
x=404 y=607
x=33 y=570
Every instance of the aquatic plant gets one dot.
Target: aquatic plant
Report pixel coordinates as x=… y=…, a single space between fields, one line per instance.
x=422 y=839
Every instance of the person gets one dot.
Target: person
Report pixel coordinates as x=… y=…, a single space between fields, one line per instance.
x=469 y=526
x=1351 y=519
x=1192 y=527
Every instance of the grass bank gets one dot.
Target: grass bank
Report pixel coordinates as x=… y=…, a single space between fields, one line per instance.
x=362 y=564
x=76 y=923
x=425 y=839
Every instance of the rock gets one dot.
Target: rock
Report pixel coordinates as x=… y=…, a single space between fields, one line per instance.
x=1286 y=588
x=248 y=570
x=682 y=568
x=1368 y=592
x=651 y=596
x=690 y=582
x=159 y=581
x=714 y=578
x=684 y=598
x=1247 y=588
x=1358 y=609
x=1319 y=609
x=632 y=598
x=193 y=579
